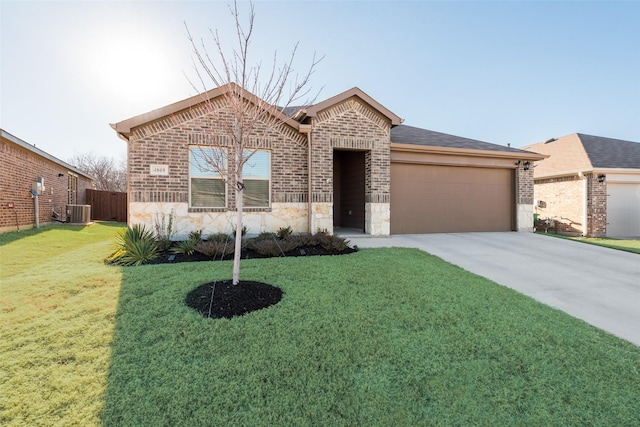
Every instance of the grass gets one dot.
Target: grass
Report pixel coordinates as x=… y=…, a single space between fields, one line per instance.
x=620 y=244
x=379 y=337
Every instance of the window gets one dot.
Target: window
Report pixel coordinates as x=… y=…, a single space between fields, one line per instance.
x=256 y=175
x=207 y=188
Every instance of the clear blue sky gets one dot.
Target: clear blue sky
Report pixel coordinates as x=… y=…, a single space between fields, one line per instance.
x=515 y=72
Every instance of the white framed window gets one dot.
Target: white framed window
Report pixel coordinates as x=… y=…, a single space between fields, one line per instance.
x=207 y=188
x=256 y=176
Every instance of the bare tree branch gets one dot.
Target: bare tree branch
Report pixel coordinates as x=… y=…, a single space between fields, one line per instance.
x=254 y=104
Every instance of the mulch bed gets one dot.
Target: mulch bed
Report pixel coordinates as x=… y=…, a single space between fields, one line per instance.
x=167 y=257
x=224 y=300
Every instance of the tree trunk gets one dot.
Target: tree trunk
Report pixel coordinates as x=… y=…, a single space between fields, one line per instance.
x=237 y=255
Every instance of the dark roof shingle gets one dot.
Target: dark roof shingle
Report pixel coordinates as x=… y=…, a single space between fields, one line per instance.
x=611 y=153
x=404 y=134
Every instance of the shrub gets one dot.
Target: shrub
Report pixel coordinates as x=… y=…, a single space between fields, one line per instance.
x=215 y=248
x=330 y=242
x=283 y=232
x=186 y=246
x=220 y=237
x=244 y=231
x=301 y=240
x=195 y=235
x=134 y=246
x=163 y=226
x=265 y=235
x=272 y=248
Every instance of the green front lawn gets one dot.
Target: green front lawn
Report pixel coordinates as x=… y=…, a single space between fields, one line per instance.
x=379 y=337
x=620 y=244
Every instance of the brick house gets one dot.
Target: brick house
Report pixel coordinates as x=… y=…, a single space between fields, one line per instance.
x=24 y=168
x=346 y=162
x=589 y=185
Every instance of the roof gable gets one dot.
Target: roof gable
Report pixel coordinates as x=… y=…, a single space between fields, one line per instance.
x=580 y=153
x=187 y=109
x=313 y=110
x=566 y=154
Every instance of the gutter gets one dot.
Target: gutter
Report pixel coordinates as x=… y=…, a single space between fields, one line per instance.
x=432 y=149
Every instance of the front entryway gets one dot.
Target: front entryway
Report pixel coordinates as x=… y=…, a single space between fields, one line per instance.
x=348 y=189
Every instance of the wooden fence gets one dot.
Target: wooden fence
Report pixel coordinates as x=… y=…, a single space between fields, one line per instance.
x=107 y=205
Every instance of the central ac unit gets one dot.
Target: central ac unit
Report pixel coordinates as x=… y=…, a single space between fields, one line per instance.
x=79 y=214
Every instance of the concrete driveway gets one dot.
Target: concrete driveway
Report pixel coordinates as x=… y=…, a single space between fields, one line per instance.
x=598 y=285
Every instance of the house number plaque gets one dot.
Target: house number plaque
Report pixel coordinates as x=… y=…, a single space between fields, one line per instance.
x=159 y=170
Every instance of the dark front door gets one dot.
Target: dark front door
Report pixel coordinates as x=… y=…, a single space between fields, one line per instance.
x=348 y=189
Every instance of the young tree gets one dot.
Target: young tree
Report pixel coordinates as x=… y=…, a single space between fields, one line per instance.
x=254 y=105
x=109 y=174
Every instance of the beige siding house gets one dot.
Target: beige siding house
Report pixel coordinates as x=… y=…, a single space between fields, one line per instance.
x=343 y=163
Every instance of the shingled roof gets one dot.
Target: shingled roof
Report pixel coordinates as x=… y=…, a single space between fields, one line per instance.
x=580 y=153
x=611 y=153
x=404 y=134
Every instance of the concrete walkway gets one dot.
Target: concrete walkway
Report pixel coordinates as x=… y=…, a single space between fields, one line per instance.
x=598 y=285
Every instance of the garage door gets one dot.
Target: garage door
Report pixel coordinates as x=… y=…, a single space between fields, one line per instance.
x=623 y=210
x=446 y=199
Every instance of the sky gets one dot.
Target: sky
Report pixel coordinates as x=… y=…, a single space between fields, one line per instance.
x=505 y=72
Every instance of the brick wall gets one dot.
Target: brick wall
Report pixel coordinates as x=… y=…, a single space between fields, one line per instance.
x=564 y=200
x=159 y=144
x=351 y=125
x=20 y=168
x=596 y=206
x=524 y=189
x=565 y=204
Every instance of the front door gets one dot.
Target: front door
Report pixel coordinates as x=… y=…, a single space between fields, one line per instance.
x=348 y=189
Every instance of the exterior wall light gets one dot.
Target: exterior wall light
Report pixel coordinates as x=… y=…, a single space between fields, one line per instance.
x=602 y=177
x=527 y=165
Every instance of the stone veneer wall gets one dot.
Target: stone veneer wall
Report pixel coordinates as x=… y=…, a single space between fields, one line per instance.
x=292 y=215
x=351 y=125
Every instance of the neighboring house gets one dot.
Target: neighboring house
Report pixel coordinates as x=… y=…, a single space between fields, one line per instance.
x=589 y=185
x=346 y=162
x=26 y=168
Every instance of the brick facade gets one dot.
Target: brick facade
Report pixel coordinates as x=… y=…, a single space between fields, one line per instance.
x=301 y=195
x=153 y=144
x=563 y=202
x=596 y=206
x=20 y=168
x=351 y=125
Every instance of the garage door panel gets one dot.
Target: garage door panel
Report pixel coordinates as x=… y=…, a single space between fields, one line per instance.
x=439 y=199
x=623 y=210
